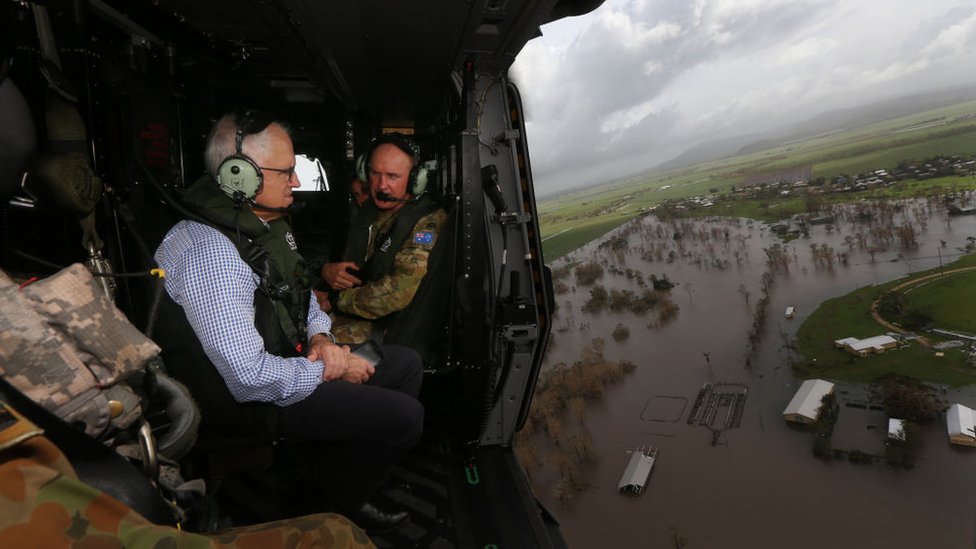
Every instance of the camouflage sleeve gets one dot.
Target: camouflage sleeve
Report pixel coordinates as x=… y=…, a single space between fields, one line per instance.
x=43 y=504
x=393 y=292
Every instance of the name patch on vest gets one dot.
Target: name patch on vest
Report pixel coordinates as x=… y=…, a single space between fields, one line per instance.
x=424 y=238
x=290 y=239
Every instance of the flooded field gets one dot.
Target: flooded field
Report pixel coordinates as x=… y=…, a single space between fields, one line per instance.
x=759 y=486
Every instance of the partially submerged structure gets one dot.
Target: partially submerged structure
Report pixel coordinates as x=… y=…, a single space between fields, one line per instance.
x=896 y=428
x=805 y=405
x=961 y=425
x=637 y=471
x=864 y=347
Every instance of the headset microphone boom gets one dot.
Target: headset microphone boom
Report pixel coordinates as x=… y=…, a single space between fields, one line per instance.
x=380 y=195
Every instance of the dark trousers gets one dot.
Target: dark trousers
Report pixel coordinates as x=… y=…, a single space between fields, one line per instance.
x=367 y=428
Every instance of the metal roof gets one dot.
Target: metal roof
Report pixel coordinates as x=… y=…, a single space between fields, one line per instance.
x=960 y=421
x=806 y=402
x=637 y=471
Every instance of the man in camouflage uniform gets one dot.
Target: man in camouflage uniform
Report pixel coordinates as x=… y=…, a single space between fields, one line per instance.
x=389 y=244
x=43 y=504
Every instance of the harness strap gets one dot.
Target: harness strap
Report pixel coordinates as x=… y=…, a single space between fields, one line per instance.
x=271 y=283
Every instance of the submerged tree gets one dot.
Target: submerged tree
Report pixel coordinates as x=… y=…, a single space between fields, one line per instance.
x=588 y=273
x=744 y=293
x=907 y=398
x=564 y=389
x=598 y=300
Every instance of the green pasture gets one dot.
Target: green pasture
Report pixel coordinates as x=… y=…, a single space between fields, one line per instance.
x=560 y=244
x=889 y=157
x=951 y=300
x=913 y=361
x=910 y=189
x=849 y=316
x=763 y=209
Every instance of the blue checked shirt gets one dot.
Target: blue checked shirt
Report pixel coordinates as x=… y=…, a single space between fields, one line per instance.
x=207 y=277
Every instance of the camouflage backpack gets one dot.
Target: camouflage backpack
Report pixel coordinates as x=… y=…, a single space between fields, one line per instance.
x=68 y=348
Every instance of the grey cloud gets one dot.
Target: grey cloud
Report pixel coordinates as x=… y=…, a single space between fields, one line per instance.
x=570 y=93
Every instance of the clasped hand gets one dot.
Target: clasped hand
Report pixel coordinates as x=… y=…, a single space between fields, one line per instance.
x=339 y=362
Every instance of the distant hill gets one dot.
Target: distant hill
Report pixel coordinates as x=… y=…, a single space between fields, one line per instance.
x=853 y=117
x=865 y=115
x=714 y=149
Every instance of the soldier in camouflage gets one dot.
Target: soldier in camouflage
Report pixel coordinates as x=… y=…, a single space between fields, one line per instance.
x=389 y=244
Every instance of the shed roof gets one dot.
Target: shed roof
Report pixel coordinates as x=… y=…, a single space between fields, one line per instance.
x=808 y=397
x=637 y=471
x=960 y=421
x=876 y=342
x=896 y=428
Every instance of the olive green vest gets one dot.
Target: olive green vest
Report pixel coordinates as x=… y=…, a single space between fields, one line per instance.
x=387 y=244
x=282 y=298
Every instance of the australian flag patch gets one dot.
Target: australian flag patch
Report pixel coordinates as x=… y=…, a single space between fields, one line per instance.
x=423 y=237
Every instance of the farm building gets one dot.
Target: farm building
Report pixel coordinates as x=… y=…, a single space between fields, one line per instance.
x=805 y=406
x=864 y=347
x=960 y=425
x=896 y=429
x=637 y=471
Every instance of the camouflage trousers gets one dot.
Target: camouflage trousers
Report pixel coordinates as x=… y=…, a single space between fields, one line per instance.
x=44 y=505
x=351 y=330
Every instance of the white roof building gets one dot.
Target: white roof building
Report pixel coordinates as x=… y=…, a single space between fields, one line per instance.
x=637 y=471
x=896 y=428
x=961 y=425
x=864 y=347
x=805 y=406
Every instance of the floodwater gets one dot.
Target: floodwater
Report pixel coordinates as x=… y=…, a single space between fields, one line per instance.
x=760 y=486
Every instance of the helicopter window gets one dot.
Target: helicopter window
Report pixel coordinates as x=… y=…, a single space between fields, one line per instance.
x=311 y=174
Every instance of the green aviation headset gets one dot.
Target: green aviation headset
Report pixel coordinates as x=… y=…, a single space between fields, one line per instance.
x=419 y=175
x=238 y=176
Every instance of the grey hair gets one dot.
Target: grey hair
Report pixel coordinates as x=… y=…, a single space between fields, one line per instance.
x=222 y=142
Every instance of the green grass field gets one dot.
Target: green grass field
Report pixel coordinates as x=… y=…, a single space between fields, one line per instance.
x=773 y=209
x=561 y=244
x=579 y=217
x=762 y=209
x=913 y=188
x=952 y=299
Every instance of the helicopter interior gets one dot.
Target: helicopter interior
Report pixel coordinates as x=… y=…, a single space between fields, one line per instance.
x=132 y=88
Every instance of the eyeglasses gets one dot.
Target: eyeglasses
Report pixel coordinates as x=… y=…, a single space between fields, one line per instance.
x=290 y=171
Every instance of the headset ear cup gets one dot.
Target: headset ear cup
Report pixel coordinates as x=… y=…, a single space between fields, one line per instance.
x=239 y=174
x=418 y=183
x=361 y=167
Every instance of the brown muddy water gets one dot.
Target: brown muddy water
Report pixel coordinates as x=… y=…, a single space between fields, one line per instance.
x=760 y=486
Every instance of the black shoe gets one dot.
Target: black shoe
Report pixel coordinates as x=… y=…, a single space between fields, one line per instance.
x=375 y=521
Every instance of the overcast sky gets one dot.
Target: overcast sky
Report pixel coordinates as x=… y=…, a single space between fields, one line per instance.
x=637 y=82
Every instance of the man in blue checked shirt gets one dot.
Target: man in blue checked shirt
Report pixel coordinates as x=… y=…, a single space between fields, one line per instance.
x=236 y=272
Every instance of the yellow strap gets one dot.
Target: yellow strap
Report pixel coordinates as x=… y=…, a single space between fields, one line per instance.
x=14 y=428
